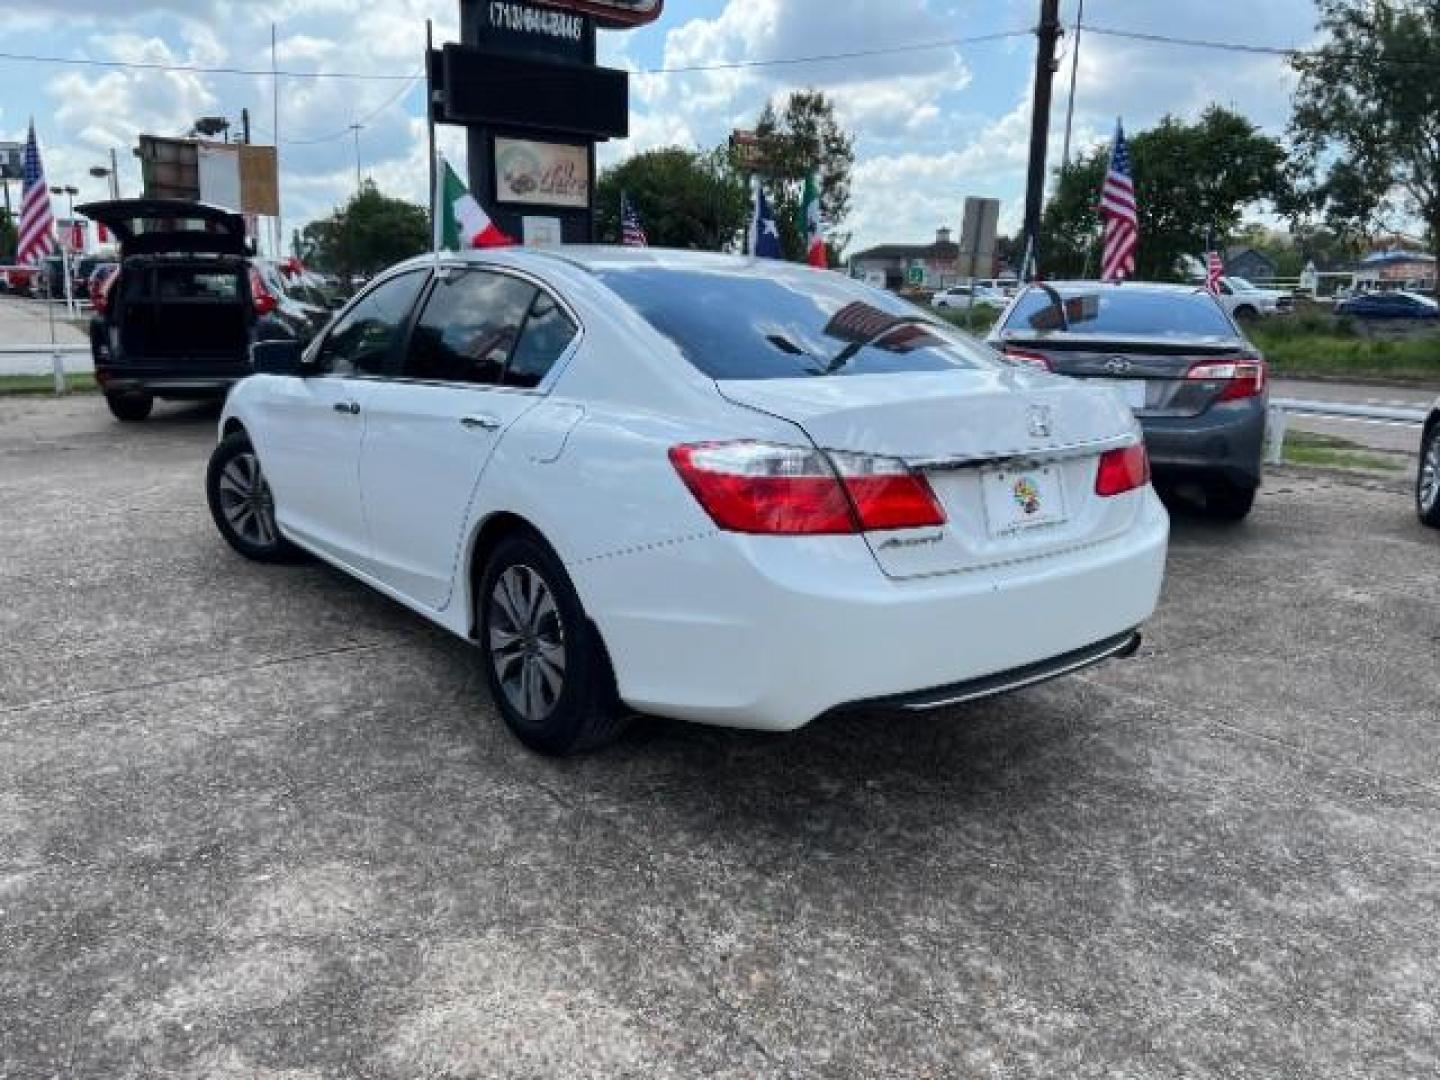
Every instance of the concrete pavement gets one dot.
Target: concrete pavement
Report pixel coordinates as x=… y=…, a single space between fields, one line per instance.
x=260 y=822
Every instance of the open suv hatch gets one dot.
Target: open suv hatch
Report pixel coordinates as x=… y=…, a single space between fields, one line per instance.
x=178 y=319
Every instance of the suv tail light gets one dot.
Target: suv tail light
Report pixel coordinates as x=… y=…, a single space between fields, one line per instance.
x=1026 y=358
x=263 y=300
x=769 y=488
x=1122 y=470
x=100 y=297
x=1243 y=376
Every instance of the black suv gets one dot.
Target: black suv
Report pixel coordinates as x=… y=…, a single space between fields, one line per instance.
x=178 y=320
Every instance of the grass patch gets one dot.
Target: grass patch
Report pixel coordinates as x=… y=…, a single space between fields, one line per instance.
x=977 y=320
x=1305 y=448
x=1335 y=350
x=80 y=383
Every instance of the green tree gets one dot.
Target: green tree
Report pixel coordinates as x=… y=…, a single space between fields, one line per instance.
x=9 y=240
x=686 y=199
x=802 y=137
x=1367 y=96
x=1190 y=180
x=367 y=234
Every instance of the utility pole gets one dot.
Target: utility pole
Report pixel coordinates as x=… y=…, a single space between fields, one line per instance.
x=114 y=175
x=1048 y=34
x=245 y=126
x=1074 y=73
x=357 y=128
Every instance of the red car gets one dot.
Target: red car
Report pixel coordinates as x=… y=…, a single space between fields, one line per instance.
x=20 y=280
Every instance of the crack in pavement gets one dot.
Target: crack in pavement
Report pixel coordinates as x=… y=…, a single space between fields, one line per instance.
x=159 y=684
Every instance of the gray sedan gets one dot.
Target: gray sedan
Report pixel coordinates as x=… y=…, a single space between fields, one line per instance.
x=1196 y=384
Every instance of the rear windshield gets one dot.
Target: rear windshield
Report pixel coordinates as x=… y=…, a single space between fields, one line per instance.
x=177 y=284
x=736 y=324
x=1122 y=311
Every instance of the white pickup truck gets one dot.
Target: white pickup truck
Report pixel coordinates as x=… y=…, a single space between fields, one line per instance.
x=1246 y=301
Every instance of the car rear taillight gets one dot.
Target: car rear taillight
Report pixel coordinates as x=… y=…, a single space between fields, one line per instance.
x=1122 y=470
x=1243 y=376
x=100 y=299
x=770 y=488
x=263 y=300
x=1026 y=358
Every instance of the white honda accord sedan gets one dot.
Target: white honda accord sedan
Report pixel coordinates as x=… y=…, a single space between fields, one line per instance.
x=729 y=491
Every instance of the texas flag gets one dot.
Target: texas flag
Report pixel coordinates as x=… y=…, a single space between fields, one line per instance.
x=461 y=221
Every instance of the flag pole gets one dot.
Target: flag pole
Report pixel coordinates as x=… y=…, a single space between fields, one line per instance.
x=437 y=219
x=430 y=125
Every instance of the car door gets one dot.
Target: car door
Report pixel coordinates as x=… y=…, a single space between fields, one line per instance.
x=476 y=362
x=312 y=428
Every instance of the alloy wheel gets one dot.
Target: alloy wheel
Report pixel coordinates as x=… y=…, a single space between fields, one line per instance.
x=1429 y=490
x=246 y=502
x=527 y=642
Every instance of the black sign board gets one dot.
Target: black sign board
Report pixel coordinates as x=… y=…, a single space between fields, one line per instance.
x=484 y=87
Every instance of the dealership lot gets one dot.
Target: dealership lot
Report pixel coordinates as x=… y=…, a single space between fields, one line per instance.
x=260 y=822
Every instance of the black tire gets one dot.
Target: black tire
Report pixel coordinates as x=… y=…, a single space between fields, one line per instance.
x=130 y=408
x=1225 y=501
x=553 y=712
x=1427 y=479
x=1245 y=313
x=242 y=505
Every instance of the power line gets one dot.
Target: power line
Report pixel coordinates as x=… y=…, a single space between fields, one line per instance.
x=197 y=69
x=1288 y=53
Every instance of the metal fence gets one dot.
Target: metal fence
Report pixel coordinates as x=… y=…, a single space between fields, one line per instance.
x=1281 y=409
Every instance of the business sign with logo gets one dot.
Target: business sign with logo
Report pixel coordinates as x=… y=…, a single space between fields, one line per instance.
x=542 y=174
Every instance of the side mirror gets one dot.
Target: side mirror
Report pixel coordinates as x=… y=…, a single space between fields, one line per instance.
x=280 y=357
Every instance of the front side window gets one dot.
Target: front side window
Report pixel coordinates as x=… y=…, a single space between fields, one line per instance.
x=364 y=341
x=469 y=328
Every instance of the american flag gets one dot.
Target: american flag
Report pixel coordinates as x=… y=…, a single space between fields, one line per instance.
x=632 y=231
x=1118 y=213
x=1214 y=271
x=37 y=224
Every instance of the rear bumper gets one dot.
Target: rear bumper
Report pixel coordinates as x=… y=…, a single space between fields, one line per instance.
x=771 y=632
x=1226 y=441
x=190 y=380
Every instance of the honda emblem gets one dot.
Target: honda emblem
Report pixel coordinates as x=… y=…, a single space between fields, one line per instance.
x=1042 y=420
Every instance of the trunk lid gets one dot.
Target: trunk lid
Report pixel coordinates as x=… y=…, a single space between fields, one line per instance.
x=1148 y=373
x=170 y=226
x=1011 y=455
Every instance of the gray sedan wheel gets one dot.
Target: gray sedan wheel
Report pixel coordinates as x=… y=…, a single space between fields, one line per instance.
x=1427 y=483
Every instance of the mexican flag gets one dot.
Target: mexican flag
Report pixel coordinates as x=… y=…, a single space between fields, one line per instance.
x=810 y=227
x=461 y=222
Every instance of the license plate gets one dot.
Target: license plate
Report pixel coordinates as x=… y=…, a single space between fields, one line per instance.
x=1131 y=391
x=1020 y=499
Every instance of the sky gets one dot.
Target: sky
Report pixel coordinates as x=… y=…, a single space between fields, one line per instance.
x=931 y=126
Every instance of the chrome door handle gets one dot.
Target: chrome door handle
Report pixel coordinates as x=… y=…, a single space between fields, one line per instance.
x=480 y=423
x=350 y=407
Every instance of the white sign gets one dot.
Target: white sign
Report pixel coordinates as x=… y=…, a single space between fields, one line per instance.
x=541 y=232
x=220 y=176
x=542 y=174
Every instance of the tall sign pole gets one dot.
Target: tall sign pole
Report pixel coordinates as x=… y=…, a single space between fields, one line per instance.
x=1048 y=34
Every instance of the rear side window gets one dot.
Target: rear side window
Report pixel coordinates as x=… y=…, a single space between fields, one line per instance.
x=364 y=340
x=548 y=333
x=1125 y=310
x=734 y=323
x=469 y=328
